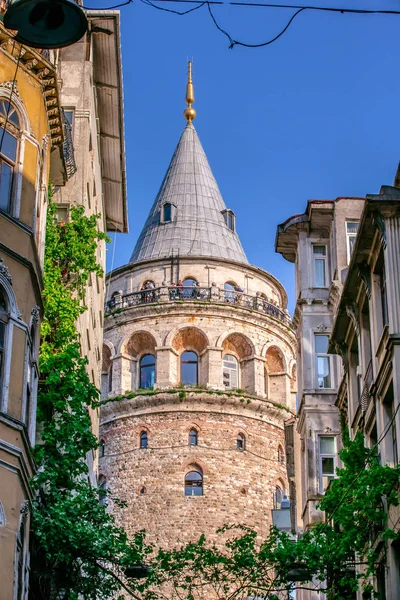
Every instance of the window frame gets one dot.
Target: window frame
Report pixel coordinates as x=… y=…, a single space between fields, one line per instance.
x=241 y=442
x=4 y=321
x=321 y=456
x=350 y=236
x=229 y=371
x=322 y=355
x=171 y=215
x=12 y=163
x=200 y=486
x=324 y=259
x=142 y=367
x=143 y=440
x=193 y=433
x=189 y=362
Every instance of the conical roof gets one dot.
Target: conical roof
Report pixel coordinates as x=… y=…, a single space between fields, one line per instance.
x=198 y=225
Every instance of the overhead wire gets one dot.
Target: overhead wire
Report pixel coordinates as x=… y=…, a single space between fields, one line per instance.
x=233 y=42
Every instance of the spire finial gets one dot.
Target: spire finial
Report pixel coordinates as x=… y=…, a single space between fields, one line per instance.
x=189 y=112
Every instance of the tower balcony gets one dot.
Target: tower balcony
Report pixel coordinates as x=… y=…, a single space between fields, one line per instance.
x=120 y=302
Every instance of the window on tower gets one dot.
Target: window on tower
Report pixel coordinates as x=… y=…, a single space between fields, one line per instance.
x=194 y=483
x=230 y=369
x=166 y=212
x=229 y=217
x=144 y=440
x=240 y=442
x=147 y=371
x=189 y=368
x=193 y=436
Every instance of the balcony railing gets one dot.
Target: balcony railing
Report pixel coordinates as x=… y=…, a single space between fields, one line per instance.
x=68 y=147
x=366 y=395
x=197 y=294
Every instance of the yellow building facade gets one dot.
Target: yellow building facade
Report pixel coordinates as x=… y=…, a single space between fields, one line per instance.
x=32 y=149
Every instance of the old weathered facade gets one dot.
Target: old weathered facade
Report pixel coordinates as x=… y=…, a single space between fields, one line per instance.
x=366 y=334
x=32 y=148
x=319 y=243
x=198 y=370
x=92 y=98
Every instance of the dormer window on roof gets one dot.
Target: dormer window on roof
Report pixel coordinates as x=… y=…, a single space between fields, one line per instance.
x=230 y=218
x=166 y=213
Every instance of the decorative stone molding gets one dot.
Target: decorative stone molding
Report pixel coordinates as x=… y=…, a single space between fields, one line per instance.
x=13 y=87
x=5 y=272
x=364 y=273
x=322 y=327
x=341 y=349
x=353 y=313
x=379 y=222
x=35 y=313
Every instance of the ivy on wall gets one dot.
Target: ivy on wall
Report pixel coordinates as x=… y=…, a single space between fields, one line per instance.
x=77 y=549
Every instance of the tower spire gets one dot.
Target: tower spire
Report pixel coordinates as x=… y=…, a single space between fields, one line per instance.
x=189 y=112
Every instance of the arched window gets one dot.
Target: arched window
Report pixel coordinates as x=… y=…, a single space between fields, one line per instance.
x=102 y=490
x=189 y=368
x=31 y=374
x=281 y=455
x=143 y=440
x=240 y=442
x=8 y=153
x=194 y=483
x=102 y=448
x=3 y=327
x=230 y=368
x=147 y=371
x=231 y=288
x=20 y=562
x=193 y=436
x=278 y=496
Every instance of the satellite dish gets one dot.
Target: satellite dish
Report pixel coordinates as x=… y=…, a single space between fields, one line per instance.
x=46 y=23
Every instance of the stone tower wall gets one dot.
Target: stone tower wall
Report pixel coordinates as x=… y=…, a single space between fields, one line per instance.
x=239 y=484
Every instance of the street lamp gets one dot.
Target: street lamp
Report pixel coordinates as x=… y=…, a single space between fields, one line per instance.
x=46 y=23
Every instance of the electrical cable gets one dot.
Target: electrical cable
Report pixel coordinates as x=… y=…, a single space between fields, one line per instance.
x=232 y=42
x=4 y=126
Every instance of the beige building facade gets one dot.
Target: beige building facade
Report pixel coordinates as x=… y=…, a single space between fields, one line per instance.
x=320 y=244
x=198 y=370
x=366 y=335
x=32 y=149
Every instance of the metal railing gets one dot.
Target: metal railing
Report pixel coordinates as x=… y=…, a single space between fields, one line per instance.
x=68 y=147
x=196 y=294
x=366 y=395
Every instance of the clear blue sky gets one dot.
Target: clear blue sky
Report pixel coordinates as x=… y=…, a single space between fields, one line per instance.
x=314 y=115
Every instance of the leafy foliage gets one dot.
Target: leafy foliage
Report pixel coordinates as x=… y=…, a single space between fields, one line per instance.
x=77 y=549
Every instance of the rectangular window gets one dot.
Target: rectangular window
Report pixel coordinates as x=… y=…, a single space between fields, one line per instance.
x=62 y=213
x=69 y=115
x=385 y=316
x=319 y=253
x=327 y=461
x=2 y=337
x=323 y=364
x=351 y=234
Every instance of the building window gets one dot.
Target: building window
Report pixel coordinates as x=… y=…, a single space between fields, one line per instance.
x=327 y=460
x=278 y=497
x=351 y=234
x=194 y=483
x=102 y=490
x=384 y=302
x=166 y=212
x=30 y=376
x=8 y=153
x=62 y=213
x=193 y=437
x=102 y=448
x=240 y=442
x=319 y=253
x=3 y=327
x=20 y=561
x=323 y=361
x=230 y=368
x=229 y=217
x=231 y=288
x=143 y=440
x=147 y=371
x=189 y=368
x=70 y=117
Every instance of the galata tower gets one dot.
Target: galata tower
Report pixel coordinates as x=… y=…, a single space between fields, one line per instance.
x=199 y=375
